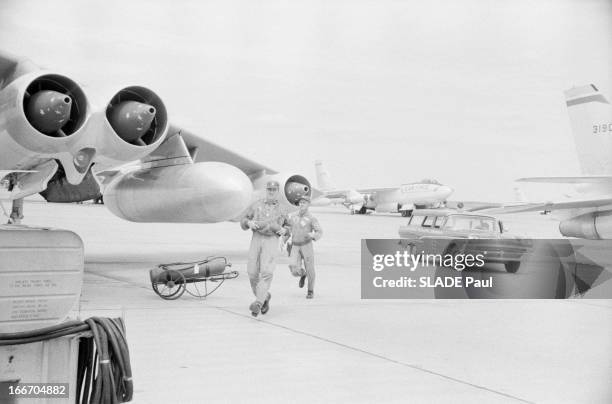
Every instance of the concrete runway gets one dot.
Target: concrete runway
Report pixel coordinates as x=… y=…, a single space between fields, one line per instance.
x=337 y=347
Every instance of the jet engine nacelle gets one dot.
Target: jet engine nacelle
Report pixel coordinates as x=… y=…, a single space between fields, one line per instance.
x=593 y=226
x=43 y=115
x=369 y=201
x=131 y=125
x=205 y=192
x=355 y=198
x=292 y=188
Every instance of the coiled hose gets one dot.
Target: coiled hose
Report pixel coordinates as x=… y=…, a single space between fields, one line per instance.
x=104 y=374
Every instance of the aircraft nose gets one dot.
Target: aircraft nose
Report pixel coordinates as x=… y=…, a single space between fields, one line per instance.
x=445 y=191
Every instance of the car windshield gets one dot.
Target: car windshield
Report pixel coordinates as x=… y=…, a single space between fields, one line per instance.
x=430 y=181
x=416 y=220
x=470 y=223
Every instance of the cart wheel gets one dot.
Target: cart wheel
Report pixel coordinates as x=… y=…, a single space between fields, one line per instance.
x=170 y=285
x=194 y=290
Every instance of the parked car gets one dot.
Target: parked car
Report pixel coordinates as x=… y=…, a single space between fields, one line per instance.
x=449 y=231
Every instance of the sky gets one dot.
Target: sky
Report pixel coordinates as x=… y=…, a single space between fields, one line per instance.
x=384 y=92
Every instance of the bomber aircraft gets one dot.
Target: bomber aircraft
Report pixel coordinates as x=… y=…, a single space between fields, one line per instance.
x=403 y=199
x=53 y=141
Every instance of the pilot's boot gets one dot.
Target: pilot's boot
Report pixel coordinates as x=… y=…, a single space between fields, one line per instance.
x=302 y=281
x=310 y=294
x=266 y=305
x=255 y=308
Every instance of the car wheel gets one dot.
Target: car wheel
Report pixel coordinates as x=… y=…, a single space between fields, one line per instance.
x=452 y=249
x=512 y=267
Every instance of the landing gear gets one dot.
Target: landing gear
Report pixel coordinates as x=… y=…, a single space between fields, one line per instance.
x=360 y=211
x=406 y=213
x=16 y=212
x=17 y=209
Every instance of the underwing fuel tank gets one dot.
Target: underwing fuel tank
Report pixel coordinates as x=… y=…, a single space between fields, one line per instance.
x=206 y=192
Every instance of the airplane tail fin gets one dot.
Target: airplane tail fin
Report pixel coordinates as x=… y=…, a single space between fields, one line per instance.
x=590 y=116
x=324 y=181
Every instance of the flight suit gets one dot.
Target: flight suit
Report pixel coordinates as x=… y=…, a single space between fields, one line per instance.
x=300 y=226
x=264 y=244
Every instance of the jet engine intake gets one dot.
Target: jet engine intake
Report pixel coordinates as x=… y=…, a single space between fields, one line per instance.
x=40 y=116
x=292 y=187
x=54 y=105
x=137 y=115
x=44 y=116
x=133 y=124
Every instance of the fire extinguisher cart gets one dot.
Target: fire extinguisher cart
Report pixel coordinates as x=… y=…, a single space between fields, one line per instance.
x=171 y=281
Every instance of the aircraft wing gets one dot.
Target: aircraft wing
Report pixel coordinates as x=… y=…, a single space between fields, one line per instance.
x=473 y=206
x=376 y=190
x=145 y=169
x=598 y=179
x=200 y=150
x=205 y=150
x=535 y=207
x=336 y=193
x=4 y=173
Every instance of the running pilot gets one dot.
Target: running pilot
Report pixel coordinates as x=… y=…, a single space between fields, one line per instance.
x=304 y=229
x=267 y=221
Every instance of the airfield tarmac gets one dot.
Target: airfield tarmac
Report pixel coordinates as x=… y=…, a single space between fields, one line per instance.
x=337 y=347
